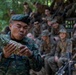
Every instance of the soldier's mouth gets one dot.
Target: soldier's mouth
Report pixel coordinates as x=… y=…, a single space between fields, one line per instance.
x=21 y=34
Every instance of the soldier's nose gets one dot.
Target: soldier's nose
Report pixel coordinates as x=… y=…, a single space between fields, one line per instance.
x=21 y=29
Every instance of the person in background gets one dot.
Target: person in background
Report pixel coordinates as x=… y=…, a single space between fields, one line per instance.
x=27 y=9
x=36 y=31
x=64 y=46
x=55 y=28
x=36 y=40
x=48 y=47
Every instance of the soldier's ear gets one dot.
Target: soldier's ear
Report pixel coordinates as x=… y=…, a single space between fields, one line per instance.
x=10 y=25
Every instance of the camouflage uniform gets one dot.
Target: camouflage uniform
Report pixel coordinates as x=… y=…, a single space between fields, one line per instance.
x=45 y=47
x=20 y=65
x=61 y=51
x=55 y=32
x=63 y=47
x=44 y=26
x=36 y=31
x=49 y=55
x=48 y=49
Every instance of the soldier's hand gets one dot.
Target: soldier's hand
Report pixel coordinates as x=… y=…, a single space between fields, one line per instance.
x=56 y=38
x=24 y=51
x=8 y=50
x=74 y=25
x=44 y=19
x=56 y=59
x=43 y=56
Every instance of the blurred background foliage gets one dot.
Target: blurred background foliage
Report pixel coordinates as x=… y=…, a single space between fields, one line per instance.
x=17 y=5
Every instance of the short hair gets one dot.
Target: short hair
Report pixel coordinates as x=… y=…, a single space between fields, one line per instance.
x=47 y=8
x=25 y=3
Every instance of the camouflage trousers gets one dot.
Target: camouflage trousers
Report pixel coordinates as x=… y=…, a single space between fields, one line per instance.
x=41 y=72
x=12 y=73
x=55 y=65
x=74 y=73
x=62 y=61
x=50 y=67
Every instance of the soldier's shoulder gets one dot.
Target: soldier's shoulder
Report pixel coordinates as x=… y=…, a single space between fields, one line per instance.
x=4 y=35
x=69 y=40
x=72 y=39
x=27 y=39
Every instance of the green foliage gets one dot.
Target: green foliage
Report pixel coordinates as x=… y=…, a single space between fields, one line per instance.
x=3 y=24
x=17 y=6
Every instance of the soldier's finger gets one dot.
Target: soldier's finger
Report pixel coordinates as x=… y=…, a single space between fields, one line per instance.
x=5 y=49
x=22 y=47
x=23 y=50
x=7 y=46
x=26 y=52
x=10 y=47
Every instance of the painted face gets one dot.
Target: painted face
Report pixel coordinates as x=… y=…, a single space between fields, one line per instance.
x=36 y=24
x=18 y=30
x=49 y=23
x=47 y=12
x=44 y=37
x=62 y=35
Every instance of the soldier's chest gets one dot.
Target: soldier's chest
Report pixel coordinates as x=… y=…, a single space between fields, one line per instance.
x=47 y=47
x=27 y=43
x=63 y=46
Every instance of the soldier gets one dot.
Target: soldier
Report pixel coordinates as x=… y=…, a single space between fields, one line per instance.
x=36 y=40
x=46 y=42
x=28 y=56
x=12 y=12
x=49 y=24
x=44 y=26
x=27 y=9
x=64 y=45
x=36 y=31
x=47 y=14
x=40 y=8
x=55 y=28
x=48 y=46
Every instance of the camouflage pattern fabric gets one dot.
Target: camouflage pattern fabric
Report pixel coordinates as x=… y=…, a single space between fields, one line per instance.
x=20 y=65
